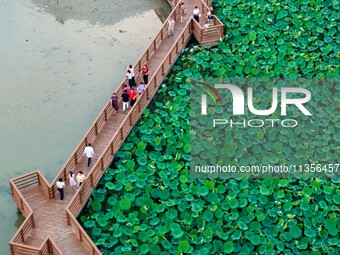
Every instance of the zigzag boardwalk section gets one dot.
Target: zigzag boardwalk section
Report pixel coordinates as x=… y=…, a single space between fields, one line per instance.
x=51 y=227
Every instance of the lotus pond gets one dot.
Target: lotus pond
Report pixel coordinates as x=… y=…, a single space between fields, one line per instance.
x=147 y=203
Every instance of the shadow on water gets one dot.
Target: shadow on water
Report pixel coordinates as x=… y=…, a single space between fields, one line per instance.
x=20 y=219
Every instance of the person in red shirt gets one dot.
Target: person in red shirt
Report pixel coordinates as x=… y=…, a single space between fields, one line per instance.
x=145 y=74
x=133 y=96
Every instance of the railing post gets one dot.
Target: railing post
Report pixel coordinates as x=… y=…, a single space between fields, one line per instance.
x=162 y=69
x=201 y=35
x=81 y=196
x=33 y=221
x=147 y=94
x=155 y=81
x=11 y=249
x=22 y=236
x=130 y=118
x=147 y=55
x=139 y=106
x=91 y=180
x=38 y=175
x=111 y=147
x=12 y=190
x=177 y=47
x=139 y=66
x=102 y=164
x=121 y=134
x=80 y=235
x=64 y=173
x=96 y=128
x=75 y=158
x=86 y=141
x=183 y=38
x=154 y=45
x=21 y=204
x=170 y=59
x=68 y=219
x=162 y=34
x=105 y=114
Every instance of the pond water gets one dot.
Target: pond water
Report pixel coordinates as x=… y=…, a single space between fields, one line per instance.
x=59 y=63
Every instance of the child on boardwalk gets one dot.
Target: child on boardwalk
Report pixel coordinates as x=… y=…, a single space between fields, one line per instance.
x=80 y=178
x=140 y=88
x=72 y=180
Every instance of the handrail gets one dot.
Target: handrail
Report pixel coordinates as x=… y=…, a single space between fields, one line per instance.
x=47 y=247
x=19 y=236
x=82 y=235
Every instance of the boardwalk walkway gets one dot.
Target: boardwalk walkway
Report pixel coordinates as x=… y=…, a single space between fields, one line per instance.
x=51 y=227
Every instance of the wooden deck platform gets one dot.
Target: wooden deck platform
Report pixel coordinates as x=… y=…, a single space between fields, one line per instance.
x=51 y=227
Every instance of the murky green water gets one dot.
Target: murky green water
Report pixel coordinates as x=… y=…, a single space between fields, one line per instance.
x=58 y=66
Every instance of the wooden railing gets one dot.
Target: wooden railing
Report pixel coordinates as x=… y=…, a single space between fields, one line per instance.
x=82 y=235
x=16 y=243
x=48 y=247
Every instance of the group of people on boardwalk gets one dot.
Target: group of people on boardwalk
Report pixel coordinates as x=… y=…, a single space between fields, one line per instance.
x=75 y=181
x=129 y=95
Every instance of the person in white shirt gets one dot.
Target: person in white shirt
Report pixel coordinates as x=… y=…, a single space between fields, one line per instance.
x=132 y=75
x=60 y=186
x=171 y=26
x=80 y=178
x=197 y=14
x=89 y=152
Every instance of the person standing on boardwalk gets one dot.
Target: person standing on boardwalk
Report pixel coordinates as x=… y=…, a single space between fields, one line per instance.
x=126 y=97
x=133 y=96
x=197 y=14
x=127 y=88
x=72 y=180
x=80 y=178
x=132 y=71
x=130 y=79
x=60 y=186
x=145 y=74
x=140 y=88
x=89 y=152
x=114 y=102
x=171 y=26
x=183 y=11
x=210 y=18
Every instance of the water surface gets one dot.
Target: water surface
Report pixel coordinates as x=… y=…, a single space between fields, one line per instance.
x=58 y=66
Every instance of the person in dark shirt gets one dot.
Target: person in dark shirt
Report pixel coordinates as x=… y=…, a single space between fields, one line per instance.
x=114 y=102
x=126 y=98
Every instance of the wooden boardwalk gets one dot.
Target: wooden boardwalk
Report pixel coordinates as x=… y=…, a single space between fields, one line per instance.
x=51 y=227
